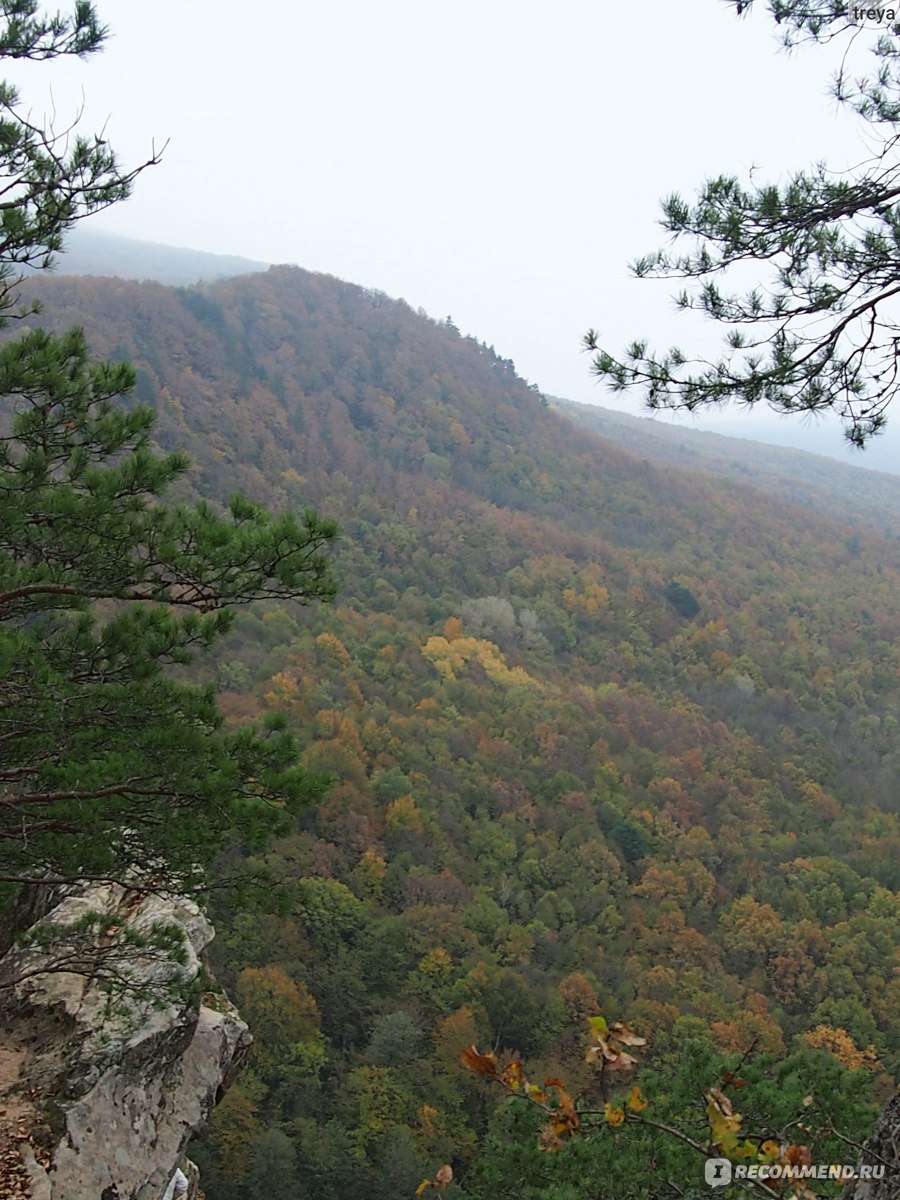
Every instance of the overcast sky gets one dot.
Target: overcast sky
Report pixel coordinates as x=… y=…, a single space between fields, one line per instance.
x=500 y=162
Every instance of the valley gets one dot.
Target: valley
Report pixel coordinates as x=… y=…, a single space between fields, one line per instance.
x=604 y=734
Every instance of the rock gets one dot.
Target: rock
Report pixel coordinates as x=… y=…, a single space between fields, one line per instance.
x=881 y=1154
x=114 y=1062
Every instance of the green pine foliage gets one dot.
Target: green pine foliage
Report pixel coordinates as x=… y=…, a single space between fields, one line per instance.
x=110 y=766
x=818 y=331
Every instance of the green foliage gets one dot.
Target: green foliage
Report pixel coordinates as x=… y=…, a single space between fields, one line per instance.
x=273 y=1166
x=694 y=822
x=51 y=179
x=138 y=970
x=817 y=332
x=329 y=911
x=396 y=1040
x=651 y=1139
x=682 y=599
x=110 y=766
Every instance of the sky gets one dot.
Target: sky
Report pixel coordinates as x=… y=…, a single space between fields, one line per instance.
x=497 y=162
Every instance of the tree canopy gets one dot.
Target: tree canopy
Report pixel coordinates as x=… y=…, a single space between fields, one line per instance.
x=819 y=331
x=110 y=766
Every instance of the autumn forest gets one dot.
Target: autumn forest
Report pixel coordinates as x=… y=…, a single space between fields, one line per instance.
x=601 y=735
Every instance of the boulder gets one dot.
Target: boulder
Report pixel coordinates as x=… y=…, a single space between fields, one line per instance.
x=115 y=1050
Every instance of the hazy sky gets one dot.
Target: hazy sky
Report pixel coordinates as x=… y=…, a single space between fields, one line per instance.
x=498 y=162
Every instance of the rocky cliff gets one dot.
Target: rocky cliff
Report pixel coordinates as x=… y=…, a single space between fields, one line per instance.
x=882 y=1150
x=112 y=1053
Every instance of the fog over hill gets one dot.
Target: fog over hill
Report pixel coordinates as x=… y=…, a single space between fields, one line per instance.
x=821 y=436
x=88 y=252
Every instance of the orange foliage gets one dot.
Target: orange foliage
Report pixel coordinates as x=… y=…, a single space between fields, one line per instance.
x=839 y=1043
x=453 y=629
x=453 y=1034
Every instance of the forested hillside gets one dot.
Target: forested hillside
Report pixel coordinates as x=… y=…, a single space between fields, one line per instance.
x=603 y=736
x=869 y=498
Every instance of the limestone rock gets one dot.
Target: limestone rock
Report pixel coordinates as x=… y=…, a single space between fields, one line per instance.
x=109 y=1066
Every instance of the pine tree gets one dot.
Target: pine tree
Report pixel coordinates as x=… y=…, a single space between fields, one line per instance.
x=820 y=331
x=109 y=766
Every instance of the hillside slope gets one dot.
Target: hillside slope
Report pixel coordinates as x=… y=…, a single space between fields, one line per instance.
x=603 y=733
x=856 y=494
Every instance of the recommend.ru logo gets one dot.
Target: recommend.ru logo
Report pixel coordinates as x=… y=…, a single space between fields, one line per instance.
x=717 y=1172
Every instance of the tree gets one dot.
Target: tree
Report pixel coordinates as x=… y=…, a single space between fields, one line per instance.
x=110 y=766
x=820 y=331
x=51 y=178
x=643 y=1130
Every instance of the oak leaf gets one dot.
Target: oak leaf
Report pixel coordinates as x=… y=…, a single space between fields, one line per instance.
x=720 y=1102
x=798 y=1156
x=622 y=1062
x=481 y=1064
x=621 y=1032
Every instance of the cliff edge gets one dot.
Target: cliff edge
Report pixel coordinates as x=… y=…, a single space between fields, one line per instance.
x=112 y=1053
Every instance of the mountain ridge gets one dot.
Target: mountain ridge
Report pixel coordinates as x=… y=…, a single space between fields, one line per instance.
x=605 y=735
x=858 y=493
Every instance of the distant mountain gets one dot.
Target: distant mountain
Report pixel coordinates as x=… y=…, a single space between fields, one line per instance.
x=855 y=494
x=820 y=436
x=89 y=252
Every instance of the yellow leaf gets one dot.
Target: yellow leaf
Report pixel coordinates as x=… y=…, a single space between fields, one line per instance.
x=513 y=1075
x=723 y=1125
x=423 y=1187
x=566 y=1111
x=636 y=1102
x=614 y=1116
x=549 y=1141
